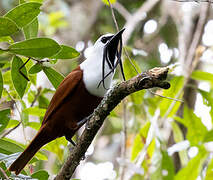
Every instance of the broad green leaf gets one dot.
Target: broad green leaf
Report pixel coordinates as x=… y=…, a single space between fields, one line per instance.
x=57 y=147
x=34 y=125
x=7 y=39
x=7 y=147
x=23 y=14
x=7 y=27
x=208 y=137
x=201 y=75
x=19 y=82
x=54 y=77
x=36 y=111
x=139 y=141
x=209 y=172
x=167 y=166
x=20 y=148
x=43 y=102
x=176 y=85
x=4 y=168
x=66 y=52
x=36 y=47
x=4 y=119
x=31 y=30
x=193 y=168
x=207 y=99
x=178 y=137
x=12 y=123
x=40 y=175
x=195 y=128
x=35 y=68
x=1 y=84
x=24 y=115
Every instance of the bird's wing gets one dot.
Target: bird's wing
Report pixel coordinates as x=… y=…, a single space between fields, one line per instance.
x=66 y=87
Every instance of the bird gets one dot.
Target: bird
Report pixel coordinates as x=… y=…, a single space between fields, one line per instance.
x=77 y=96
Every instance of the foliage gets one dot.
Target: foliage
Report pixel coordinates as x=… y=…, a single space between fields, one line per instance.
x=26 y=32
x=15 y=86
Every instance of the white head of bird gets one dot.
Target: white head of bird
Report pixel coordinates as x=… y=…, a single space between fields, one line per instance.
x=99 y=67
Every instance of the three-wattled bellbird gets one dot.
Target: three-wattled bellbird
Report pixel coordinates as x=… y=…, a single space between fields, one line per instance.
x=77 y=96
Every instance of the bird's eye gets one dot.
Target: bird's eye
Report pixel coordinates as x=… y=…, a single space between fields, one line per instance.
x=104 y=39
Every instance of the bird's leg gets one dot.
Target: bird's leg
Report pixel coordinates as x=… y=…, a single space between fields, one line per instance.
x=68 y=138
x=85 y=120
x=22 y=67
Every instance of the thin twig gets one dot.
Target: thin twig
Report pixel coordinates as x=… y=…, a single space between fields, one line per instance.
x=197 y=1
x=122 y=10
x=174 y=99
x=19 y=112
x=4 y=174
x=36 y=96
x=117 y=28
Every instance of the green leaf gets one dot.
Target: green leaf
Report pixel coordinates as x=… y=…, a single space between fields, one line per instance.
x=31 y=30
x=193 y=168
x=203 y=76
x=34 y=125
x=106 y=2
x=209 y=172
x=7 y=147
x=178 y=137
x=54 y=77
x=140 y=140
x=36 y=111
x=57 y=147
x=167 y=165
x=12 y=123
x=40 y=175
x=208 y=137
x=35 y=68
x=66 y=52
x=7 y=27
x=1 y=84
x=19 y=82
x=36 y=47
x=23 y=14
x=4 y=119
x=176 y=85
x=7 y=39
x=195 y=128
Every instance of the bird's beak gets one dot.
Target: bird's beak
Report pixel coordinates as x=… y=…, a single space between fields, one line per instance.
x=112 y=45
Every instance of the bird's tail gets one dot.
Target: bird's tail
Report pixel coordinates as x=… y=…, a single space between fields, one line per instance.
x=42 y=137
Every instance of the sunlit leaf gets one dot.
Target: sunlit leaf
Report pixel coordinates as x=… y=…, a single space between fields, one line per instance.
x=40 y=175
x=208 y=136
x=36 y=111
x=54 y=77
x=193 y=168
x=209 y=172
x=35 y=68
x=203 y=76
x=1 y=84
x=36 y=47
x=7 y=27
x=176 y=85
x=140 y=140
x=66 y=52
x=24 y=13
x=31 y=30
x=4 y=119
x=19 y=82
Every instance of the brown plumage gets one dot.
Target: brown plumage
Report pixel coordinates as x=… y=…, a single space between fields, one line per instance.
x=58 y=120
x=77 y=96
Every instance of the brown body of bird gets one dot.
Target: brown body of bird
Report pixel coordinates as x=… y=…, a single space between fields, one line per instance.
x=76 y=97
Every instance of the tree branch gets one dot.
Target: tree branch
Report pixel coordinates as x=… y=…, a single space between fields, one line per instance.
x=153 y=78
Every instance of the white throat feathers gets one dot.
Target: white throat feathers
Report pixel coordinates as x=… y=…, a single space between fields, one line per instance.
x=92 y=73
